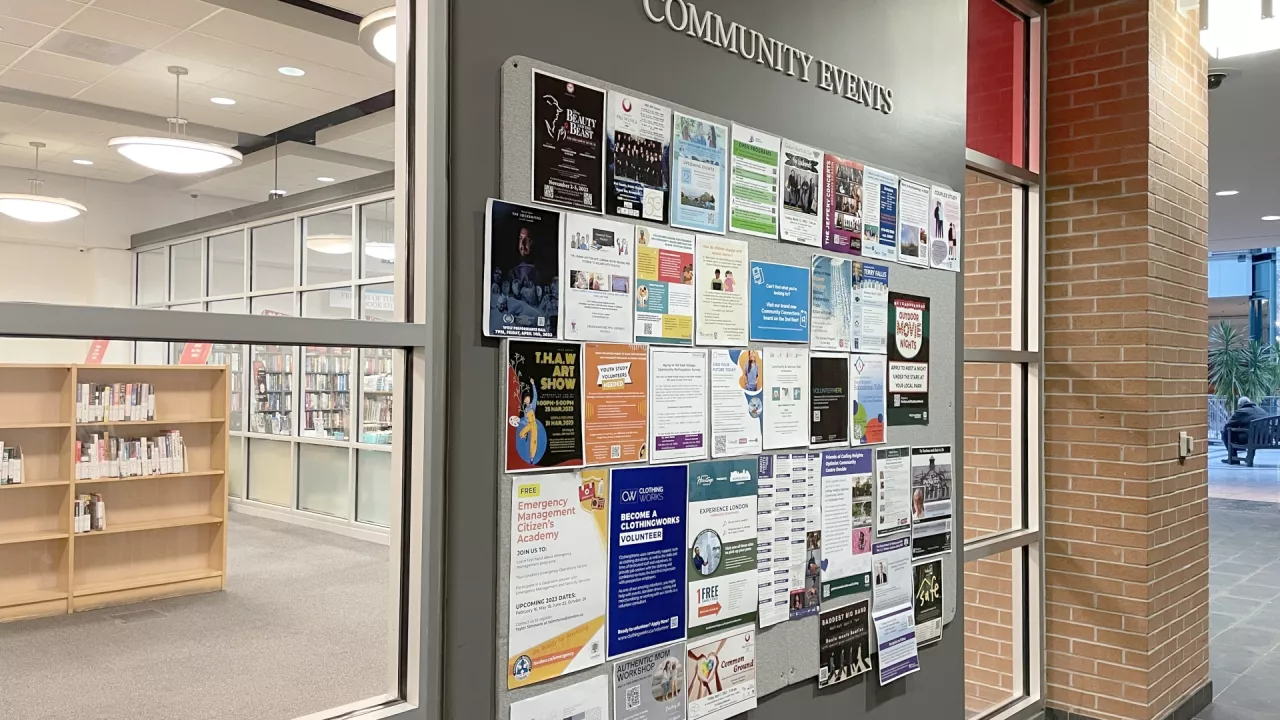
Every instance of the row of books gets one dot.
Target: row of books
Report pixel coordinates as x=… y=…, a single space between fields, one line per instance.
x=270 y=423
x=326 y=401
x=115 y=402
x=99 y=455
x=327 y=363
x=273 y=359
x=326 y=423
x=274 y=382
x=326 y=382
x=89 y=513
x=10 y=464
x=273 y=402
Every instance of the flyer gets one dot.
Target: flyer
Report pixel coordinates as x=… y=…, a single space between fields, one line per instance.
x=615 y=415
x=931 y=483
x=806 y=535
x=828 y=400
x=846 y=517
x=646 y=597
x=880 y=214
x=638 y=133
x=908 y=373
x=544 y=406
x=721 y=676
x=779 y=303
x=867 y=401
x=677 y=405
x=737 y=402
x=587 y=700
x=786 y=398
x=664 y=286
x=522 y=264
x=650 y=687
x=568 y=143
x=913 y=223
x=928 y=601
x=844 y=643
x=944 y=241
x=753 y=184
x=891 y=572
x=773 y=532
x=896 y=643
x=893 y=490
x=599 y=261
x=722 y=545
x=558 y=556
x=699 y=177
x=832 y=307
x=801 y=218
x=870 y=308
x=842 y=205
x=722 y=287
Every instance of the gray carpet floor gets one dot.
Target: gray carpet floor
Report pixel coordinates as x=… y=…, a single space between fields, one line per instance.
x=302 y=627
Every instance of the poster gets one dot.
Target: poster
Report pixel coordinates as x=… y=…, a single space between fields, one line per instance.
x=870 y=308
x=650 y=687
x=737 y=402
x=721 y=303
x=664 y=286
x=721 y=676
x=842 y=205
x=846 y=520
x=928 y=601
x=599 y=262
x=678 y=405
x=544 y=405
x=801 y=218
x=639 y=171
x=891 y=572
x=522 y=264
x=913 y=223
x=867 y=399
x=699 y=178
x=786 y=398
x=893 y=490
x=844 y=643
x=559 y=550
x=588 y=700
x=879 y=214
x=944 y=241
x=646 y=597
x=931 y=484
x=908 y=373
x=779 y=303
x=773 y=533
x=896 y=644
x=753 y=183
x=828 y=400
x=722 y=545
x=615 y=415
x=832 y=306
x=806 y=535
x=568 y=143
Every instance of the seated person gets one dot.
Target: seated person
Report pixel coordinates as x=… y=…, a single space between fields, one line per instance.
x=1246 y=412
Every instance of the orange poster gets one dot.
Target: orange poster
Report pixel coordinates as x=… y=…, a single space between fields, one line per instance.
x=616 y=413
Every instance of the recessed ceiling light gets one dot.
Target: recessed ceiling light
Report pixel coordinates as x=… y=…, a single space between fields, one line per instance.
x=1269 y=218
x=222 y=101
x=324 y=179
x=79 y=161
x=1224 y=193
x=292 y=71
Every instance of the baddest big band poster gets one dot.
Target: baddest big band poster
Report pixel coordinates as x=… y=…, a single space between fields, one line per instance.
x=568 y=143
x=544 y=405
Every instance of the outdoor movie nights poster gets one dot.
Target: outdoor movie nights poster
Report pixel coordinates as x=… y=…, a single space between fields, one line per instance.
x=544 y=405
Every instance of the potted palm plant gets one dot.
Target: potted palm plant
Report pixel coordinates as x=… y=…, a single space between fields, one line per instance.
x=1241 y=367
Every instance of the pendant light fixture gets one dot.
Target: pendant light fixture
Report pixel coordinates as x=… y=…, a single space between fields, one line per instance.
x=378 y=34
x=176 y=153
x=36 y=207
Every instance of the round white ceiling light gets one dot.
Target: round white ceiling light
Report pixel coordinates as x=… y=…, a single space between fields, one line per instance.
x=34 y=207
x=292 y=71
x=176 y=153
x=1270 y=218
x=81 y=161
x=378 y=34
x=324 y=178
x=381 y=250
x=329 y=243
x=1225 y=193
x=222 y=101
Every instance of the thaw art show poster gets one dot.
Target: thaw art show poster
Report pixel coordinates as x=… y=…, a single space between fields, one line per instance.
x=928 y=601
x=650 y=687
x=931 y=487
x=616 y=404
x=599 y=263
x=568 y=143
x=842 y=205
x=779 y=303
x=844 y=643
x=880 y=215
x=699 y=180
x=639 y=138
x=722 y=545
x=908 y=383
x=721 y=676
x=544 y=406
x=522 y=266
x=737 y=402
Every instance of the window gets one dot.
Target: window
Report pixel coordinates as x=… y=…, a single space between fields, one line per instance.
x=330 y=250
x=274 y=259
x=377 y=238
x=226 y=264
x=153 y=272
x=184 y=271
x=996 y=122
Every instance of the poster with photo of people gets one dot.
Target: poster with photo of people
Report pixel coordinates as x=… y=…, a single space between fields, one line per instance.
x=522 y=269
x=639 y=145
x=801 y=217
x=944 y=240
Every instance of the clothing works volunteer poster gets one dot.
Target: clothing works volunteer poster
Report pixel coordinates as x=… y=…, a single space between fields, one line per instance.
x=801 y=220
x=870 y=308
x=913 y=223
x=678 y=407
x=846 y=517
x=832 y=310
x=646 y=597
x=588 y=700
x=828 y=399
x=737 y=403
x=558 y=553
x=753 y=185
x=893 y=490
x=639 y=138
x=891 y=572
x=599 y=262
x=664 y=286
x=616 y=406
x=844 y=643
x=880 y=214
x=699 y=179
x=908 y=379
x=722 y=545
x=928 y=601
x=867 y=402
x=806 y=534
x=842 y=205
x=721 y=676
x=773 y=528
x=944 y=241
x=544 y=405
x=522 y=266
x=786 y=398
x=650 y=687
x=568 y=143
x=779 y=303
x=931 y=479
x=721 y=304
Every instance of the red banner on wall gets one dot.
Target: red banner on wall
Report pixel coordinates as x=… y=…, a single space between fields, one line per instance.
x=195 y=353
x=96 y=352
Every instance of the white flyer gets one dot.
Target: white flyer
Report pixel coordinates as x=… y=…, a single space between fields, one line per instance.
x=774 y=538
x=588 y=700
x=913 y=223
x=786 y=398
x=867 y=399
x=801 y=197
x=893 y=490
x=599 y=266
x=806 y=535
x=723 y=281
x=678 y=405
x=870 y=308
x=737 y=402
x=831 y=304
x=721 y=676
x=891 y=572
x=879 y=214
x=753 y=183
x=896 y=643
x=846 y=495
x=944 y=239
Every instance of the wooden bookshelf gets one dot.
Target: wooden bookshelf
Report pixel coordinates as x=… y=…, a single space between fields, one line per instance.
x=165 y=535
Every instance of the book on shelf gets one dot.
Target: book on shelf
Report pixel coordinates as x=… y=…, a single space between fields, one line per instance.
x=115 y=402
x=10 y=464
x=269 y=422
x=99 y=455
x=89 y=513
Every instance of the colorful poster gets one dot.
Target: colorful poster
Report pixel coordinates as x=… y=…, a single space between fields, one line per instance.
x=722 y=286
x=599 y=262
x=931 y=498
x=891 y=572
x=896 y=643
x=721 y=674
x=842 y=205
x=846 y=514
x=806 y=534
x=722 y=545
x=700 y=177
x=908 y=373
x=786 y=398
x=737 y=402
x=678 y=405
x=753 y=184
x=568 y=143
x=587 y=700
x=522 y=265
x=773 y=533
x=893 y=490
x=615 y=416
x=646 y=597
x=559 y=548
x=664 y=286
x=828 y=400
x=928 y=601
x=944 y=240
x=913 y=223
x=832 y=307
x=779 y=303
x=867 y=402
x=801 y=218
x=880 y=214
x=544 y=406
x=870 y=308
x=844 y=643
x=650 y=687
x=639 y=171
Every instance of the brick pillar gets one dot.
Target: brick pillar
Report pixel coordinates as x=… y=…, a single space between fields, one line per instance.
x=1126 y=327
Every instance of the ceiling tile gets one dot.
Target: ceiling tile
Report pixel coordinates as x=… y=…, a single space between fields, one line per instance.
x=36 y=82
x=154 y=64
x=64 y=67
x=121 y=28
x=358 y=7
x=308 y=48
x=22 y=33
x=45 y=12
x=178 y=13
x=320 y=101
x=9 y=53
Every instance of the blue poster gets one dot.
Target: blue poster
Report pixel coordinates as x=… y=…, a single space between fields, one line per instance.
x=779 y=302
x=646 y=557
x=699 y=174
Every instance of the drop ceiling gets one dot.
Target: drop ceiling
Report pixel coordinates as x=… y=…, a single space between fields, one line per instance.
x=1243 y=154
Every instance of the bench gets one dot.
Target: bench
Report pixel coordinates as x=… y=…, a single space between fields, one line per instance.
x=1262 y=434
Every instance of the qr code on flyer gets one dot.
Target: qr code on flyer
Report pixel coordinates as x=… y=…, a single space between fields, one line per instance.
x=615 y=452
x=633 y=697
x=721 y=447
